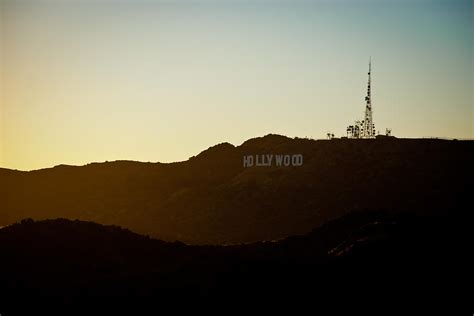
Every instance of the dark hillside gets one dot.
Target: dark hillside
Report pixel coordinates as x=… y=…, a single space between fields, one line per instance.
x=362 y=254
x=212 y=198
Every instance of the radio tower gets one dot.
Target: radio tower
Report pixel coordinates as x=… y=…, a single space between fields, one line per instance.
x=368 y=127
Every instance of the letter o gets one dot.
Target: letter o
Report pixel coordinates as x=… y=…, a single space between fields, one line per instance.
x=297 y=160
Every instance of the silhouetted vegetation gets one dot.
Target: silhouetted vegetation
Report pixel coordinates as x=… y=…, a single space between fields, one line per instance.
x=363 y=254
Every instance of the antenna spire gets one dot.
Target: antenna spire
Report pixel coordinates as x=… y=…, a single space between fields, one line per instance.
x=368 y=127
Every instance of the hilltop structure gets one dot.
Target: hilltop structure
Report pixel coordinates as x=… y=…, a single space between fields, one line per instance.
x=366 y=127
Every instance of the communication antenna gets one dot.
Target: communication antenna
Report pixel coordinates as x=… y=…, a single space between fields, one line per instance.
x=368 y=127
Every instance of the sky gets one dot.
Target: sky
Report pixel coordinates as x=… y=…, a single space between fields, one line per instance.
x=91 y=81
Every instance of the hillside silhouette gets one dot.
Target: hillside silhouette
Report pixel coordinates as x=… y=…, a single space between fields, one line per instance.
x=212 y=199
x=362 y=254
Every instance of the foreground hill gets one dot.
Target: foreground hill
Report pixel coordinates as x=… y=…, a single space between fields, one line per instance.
x=212 y=199
x=362 y=254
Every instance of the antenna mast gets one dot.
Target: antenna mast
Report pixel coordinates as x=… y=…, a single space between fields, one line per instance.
x=368 y=127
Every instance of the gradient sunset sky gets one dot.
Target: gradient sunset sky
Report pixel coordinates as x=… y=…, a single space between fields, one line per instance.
x=85 y=81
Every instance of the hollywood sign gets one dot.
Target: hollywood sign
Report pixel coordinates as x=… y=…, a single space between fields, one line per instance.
x=269 y=160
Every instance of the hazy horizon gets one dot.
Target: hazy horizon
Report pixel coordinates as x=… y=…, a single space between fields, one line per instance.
x=92 y=81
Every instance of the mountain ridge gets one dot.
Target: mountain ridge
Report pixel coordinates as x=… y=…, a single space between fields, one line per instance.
x=247 y=143
x=85 y=262
x=212 y=199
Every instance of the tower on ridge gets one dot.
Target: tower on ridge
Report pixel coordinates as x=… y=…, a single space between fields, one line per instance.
x=366 y=127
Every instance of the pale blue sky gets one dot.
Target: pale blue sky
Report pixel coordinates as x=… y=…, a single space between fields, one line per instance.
x=103 y=80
